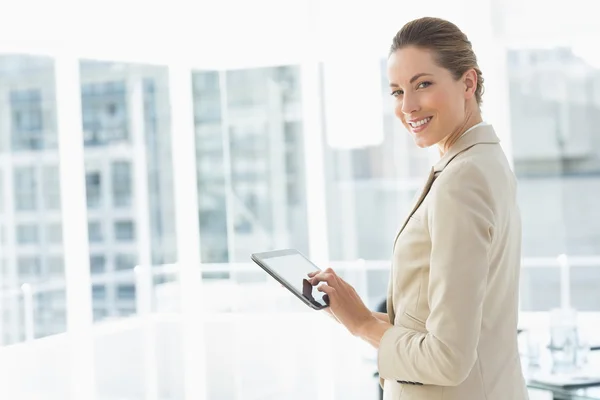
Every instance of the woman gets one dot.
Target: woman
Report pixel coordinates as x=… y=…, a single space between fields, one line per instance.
x=450 y=328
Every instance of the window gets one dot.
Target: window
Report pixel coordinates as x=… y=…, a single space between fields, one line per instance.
x=26 y=119
x=4 y=273
x=95 y=232
x=93 y=189
x=54 y=233
x=25 y=184
x=27 y=234
x=265 y=126
x=126 y=311
x=554 y=111
x=121 y=183
x=29 y=174
x=55 y=321
x=291 y=162
x=97 y=264
x=126 y=292
x=104 y=113
x=1 y=192
x=555 y=152
x=293 y=197
x=125 y=261
x=56 y=267
x=99 y=292
x=100 y=313
x=292 y=133
x=51 y=188
x=29 y=267
x=206 y=87
x=124 y=231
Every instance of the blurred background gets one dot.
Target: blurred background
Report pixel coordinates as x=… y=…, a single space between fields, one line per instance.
x=147 y=148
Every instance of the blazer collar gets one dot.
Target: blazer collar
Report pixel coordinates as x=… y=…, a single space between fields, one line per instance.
x=479 y=134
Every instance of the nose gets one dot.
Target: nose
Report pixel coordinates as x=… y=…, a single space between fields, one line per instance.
x=409 y=104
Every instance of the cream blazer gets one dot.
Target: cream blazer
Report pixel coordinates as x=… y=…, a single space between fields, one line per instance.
x=454 y=284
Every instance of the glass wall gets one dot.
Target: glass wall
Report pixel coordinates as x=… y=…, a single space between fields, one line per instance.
x=250 y=162
x=554 y=96
x=31 y=251
x=129 y=177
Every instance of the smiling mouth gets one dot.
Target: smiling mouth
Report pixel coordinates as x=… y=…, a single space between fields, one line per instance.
x=420 y=123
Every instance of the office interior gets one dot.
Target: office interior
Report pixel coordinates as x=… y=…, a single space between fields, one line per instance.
x=148 y=148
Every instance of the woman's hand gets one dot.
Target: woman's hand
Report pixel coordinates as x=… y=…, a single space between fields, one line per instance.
x=344 y=303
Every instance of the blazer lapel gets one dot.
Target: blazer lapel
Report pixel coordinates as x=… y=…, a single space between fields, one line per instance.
x=420 y=199
x=426 y=188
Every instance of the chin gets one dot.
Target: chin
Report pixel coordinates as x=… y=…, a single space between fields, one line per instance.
x=423 y=141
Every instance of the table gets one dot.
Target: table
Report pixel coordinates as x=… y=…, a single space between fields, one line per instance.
x=591 y=393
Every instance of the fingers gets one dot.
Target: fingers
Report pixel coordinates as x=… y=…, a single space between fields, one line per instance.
x=323 y=277
x=327 y=275
x=313 y=273
x=326 y=289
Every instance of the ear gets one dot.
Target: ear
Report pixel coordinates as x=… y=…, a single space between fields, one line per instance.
x=470 y=83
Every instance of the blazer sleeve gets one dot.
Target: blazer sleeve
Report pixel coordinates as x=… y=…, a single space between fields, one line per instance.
x=461 y=224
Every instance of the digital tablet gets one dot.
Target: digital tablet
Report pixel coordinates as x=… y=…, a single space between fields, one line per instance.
x=290 y=268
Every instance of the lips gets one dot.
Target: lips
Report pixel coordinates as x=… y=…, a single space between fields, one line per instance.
x=421 y=122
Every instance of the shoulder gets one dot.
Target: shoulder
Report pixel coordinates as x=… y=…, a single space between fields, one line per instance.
x=484 y=162
x=464 y=171
x=462 y=196
x=468 y=182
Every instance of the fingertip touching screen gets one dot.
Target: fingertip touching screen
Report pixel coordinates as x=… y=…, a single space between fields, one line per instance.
x=294 y=269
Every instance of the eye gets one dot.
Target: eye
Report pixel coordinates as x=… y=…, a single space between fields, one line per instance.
x=423 y=85
x=397 y=93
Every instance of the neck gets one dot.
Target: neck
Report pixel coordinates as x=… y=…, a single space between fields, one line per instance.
x=469 y=122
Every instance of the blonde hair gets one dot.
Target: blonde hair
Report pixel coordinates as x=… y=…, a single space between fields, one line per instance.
x=451 y=47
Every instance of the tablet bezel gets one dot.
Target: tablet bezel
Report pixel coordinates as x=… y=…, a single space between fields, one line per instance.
x=260 y=260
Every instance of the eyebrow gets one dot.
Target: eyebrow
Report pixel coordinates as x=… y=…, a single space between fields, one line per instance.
x=414 y=78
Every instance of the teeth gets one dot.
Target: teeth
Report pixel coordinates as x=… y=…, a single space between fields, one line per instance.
x=419 y=123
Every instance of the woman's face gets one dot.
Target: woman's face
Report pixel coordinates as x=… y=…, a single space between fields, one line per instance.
x=428 y=100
